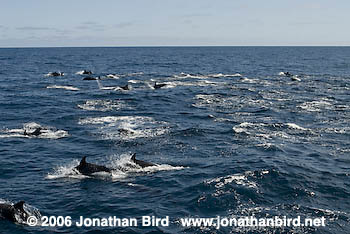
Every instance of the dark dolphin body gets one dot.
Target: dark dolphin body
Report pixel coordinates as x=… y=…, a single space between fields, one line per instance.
x=56 y=74
x=124 y=131
x=141 y=163
x=125 y=87
x=89 y=78
x=86 y=72
x=89 y=168
x=36 y=132
x=9 y=212
x=158 y=86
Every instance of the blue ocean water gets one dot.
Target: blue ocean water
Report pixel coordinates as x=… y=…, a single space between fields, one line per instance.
x=231 y=134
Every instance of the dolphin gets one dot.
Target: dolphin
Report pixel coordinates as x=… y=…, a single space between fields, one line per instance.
x=89 y=78
x=86 y=72
x=9 y=212
x=141 y=163
x=158 y=86
x=36 y=132
x=126 y=87
x=89 y=168
x=56 y=74
x=124 y=131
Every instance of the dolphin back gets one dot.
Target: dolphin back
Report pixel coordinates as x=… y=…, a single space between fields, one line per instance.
x=89 y=168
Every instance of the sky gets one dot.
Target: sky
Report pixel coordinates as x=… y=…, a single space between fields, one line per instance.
x=56 y=23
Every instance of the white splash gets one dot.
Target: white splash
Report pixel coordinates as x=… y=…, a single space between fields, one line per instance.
x=235 y=178
x=45 y=133
x=316 y=106
x=102 y=105
x=71 y=88
x=127 y=127
x=295 y=126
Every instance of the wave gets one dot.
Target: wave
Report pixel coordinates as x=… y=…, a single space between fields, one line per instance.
x=187 y=75
x=183 y=75
x=102 y=105
x=316 y=106
x=71 y=88
x=248 y=128
x=134 y=81
x=217 y=101
x=239 y=179
x=113 y=76
x=127 y=127
x=224 y=75
x=134 y=74
x=267 y=136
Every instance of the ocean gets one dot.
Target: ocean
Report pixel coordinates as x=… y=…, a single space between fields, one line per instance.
x=235 y=132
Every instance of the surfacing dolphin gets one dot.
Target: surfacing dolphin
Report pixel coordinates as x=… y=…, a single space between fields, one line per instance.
x=141 y=163
x=125 y=87
x=55 y=74
x=89 y=78
x=86 y=168
x=36 y=132
x=158 y=86
x=9 y=212
x=86 y=72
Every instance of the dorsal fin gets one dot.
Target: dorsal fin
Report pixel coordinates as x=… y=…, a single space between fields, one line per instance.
x=83 y=160
x=19 y=205
x=133 y=157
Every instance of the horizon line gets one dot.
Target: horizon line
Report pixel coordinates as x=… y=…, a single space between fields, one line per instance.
x=164 y=46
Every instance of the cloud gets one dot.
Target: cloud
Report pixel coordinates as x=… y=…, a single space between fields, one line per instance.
x=90 y=25
x=298 y=23
x=196 y=15
x=124 y=24
x=30 y=28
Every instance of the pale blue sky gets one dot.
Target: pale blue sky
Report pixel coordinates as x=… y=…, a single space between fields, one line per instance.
x=36 y=23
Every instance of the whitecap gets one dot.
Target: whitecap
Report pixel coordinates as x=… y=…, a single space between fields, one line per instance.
x=127 y=127
x=295 y=126
x=187 y=75
x=71 y=88
x=240 y=179
x=224 y=75
x=113 y=76
x=102 y=105
x=316 y=106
